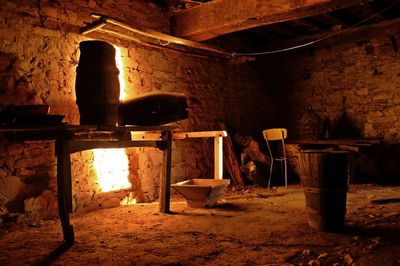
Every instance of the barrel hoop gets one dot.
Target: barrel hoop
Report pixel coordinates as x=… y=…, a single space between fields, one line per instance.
x=325 y=190
x=315 y=211
x=96 y=68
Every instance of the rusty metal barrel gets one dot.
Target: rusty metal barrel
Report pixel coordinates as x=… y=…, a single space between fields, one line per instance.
x=97 y=84
x=324 y=176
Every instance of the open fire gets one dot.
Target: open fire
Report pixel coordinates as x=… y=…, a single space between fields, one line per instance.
x=112 y=165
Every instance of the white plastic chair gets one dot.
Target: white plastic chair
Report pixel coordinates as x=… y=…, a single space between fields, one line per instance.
x=271 y=135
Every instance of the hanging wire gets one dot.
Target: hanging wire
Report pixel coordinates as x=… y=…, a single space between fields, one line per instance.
x=318 y=40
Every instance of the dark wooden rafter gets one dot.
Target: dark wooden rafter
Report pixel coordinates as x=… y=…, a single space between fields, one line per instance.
x=385 y=28
x=216 y=18
x=381 y=5
x=367 y=14
x=300 y=27
x=264 y=34
x=316 y=23
x=280 y=31
x=347 y=18
x=329 y=20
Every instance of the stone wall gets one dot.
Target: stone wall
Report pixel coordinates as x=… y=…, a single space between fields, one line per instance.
x=39 y=52
x=357 y=86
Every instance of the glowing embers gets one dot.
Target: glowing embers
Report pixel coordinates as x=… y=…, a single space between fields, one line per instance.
x=129 y=199
x=112 y=169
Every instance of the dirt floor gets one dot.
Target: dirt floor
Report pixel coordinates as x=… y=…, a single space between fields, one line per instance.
x=251 y=226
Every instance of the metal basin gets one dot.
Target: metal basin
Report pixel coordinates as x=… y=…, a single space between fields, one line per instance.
x=201 y=193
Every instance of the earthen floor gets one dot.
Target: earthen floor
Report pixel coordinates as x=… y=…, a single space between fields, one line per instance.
x=251 y=226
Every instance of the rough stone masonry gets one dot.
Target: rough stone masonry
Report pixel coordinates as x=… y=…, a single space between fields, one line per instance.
x=39 y=52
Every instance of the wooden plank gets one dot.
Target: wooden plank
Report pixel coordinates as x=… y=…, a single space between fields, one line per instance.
x=199 y=134
x=177 y=135
x=218 y=17
x=146 y=136
x=348 y=148
x=146 y=36
x=76 y=146
x=345 y=142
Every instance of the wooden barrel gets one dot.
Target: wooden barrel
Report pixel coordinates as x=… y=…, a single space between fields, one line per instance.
x=153 y=109
x=324 y=176
x=97 y=84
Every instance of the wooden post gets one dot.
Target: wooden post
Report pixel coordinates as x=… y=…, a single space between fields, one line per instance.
x=64 y=188
x=218 y=157
x=165 y=181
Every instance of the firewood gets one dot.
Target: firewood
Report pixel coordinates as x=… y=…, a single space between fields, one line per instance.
x=230 y=161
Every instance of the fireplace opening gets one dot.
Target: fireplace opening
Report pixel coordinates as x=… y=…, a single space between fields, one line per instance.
x=111 y=169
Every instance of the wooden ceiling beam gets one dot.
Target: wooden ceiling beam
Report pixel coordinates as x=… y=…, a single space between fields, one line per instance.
x=219 y=17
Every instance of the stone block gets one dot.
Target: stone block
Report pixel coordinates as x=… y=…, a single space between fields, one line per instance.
x=15 y=148
x=369 y=131
x=362 y=91
x=3 y=173
x=10 y=186
x=130 y=63
x=51 y=23
x=47 y=32
x=42 y=159
x=383 y=123
x=371 y=116
x=380 y=97
x=26 y=171
x=44 y=206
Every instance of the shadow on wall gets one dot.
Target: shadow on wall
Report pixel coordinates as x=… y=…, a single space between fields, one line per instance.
x=346 y=127
x=15 y=86
x=376 y=164
x=379 y=164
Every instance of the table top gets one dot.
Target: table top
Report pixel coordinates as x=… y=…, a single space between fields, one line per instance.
x=77 y=132
x=83 y=128
x=347 y=141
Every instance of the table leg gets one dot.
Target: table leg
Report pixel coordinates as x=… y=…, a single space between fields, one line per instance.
x=218 y=159
x=165 y=182
x=64 y=188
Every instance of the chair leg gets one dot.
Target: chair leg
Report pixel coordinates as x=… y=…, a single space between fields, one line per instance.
x=285 y=172
x=270 y=173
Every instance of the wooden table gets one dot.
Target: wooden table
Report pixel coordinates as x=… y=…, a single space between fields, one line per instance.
x=69 y=139
x=351 y=145
x=340 y=144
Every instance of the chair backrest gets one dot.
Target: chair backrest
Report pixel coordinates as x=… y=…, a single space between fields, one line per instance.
x=275 y=134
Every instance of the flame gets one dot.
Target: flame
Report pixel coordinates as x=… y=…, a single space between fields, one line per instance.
x=112 y=169
x=112 y=165
x=120 y=66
